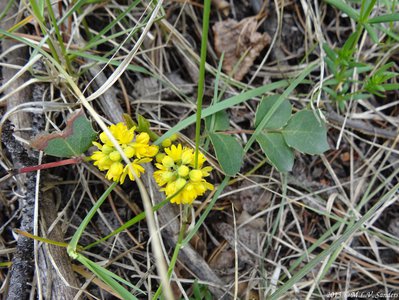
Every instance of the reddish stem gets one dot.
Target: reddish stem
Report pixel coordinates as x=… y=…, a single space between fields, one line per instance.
x=59 y=163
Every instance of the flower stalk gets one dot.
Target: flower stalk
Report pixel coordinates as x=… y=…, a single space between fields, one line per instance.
x=64 y=162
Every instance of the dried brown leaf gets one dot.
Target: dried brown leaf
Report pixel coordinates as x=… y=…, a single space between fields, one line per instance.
x=241 y=44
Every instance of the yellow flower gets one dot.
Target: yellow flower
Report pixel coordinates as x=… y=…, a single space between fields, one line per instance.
x=102 y=160
x=137 y=168
x=115 y=171
x=120 y=132
x=142 y=147
x=174 y=152
x=195 y=175
x=176 y=174
x=109 y=159
x=168 y=142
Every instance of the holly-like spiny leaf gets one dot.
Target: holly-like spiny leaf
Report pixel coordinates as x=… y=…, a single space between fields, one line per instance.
x=74 y=140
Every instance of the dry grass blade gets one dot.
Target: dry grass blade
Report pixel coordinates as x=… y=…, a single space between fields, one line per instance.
x=330 y=226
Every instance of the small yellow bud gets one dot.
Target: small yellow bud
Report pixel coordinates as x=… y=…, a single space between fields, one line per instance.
x=183 y=171
x=168 y=176
x=166 y=143
x=115 y=156
x=160 y=157
x=104 y=138
x=168 y=162
x=173 y=137
x=129 y=152
x=180 y=183
x=195 y=175
x=107 y=149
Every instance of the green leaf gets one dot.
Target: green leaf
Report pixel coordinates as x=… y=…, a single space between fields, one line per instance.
x=384 y=18
x=228 y=151
x=365 y=10
x=276 y=105
x=235 y=100
x=341 y=5
x=306 y=133
x=143 y=125
x=218 y=121
x=279 y=118
x=372 y=32
x=102 y=273
x=349 y=46
x=74 y=140
x=129 y=121
x=329 y=52
x=277 y=151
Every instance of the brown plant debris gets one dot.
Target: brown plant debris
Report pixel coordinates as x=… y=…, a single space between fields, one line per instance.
x=222 y=5
x=241 y=44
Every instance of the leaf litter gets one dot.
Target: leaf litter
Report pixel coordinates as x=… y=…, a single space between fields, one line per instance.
x=241 y=44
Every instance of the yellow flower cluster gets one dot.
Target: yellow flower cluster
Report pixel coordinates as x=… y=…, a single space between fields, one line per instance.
x=135 y=147
x=178 y=173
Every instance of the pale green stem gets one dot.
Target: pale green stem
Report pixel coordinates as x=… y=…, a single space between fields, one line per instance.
x=201 y=81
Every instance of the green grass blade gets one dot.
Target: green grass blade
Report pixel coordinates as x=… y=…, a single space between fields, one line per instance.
x=209 y=207
x=313 y=247
x=201 y=80
x=114 y=276
x=342 y=6
x=6 y=9
x=335 y=245
x=384 y=18
x=104 y=275
x=133 y=221
x=75 y=239
x=111 y=25
x=215 y=92
x=223 y=105
x=73 y=9
x=127 y=225
x=61 y=44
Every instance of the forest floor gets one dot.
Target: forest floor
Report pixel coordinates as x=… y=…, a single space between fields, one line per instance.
x=299 y=103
